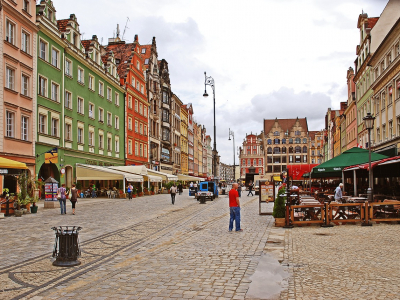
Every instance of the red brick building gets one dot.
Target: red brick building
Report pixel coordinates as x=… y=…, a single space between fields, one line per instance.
x=130 y=67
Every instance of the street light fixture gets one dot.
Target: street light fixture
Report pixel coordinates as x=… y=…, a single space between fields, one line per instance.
x=210 y=81
x=231 y=133
x=369 y=124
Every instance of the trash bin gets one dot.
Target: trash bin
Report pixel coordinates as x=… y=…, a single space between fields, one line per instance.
x=202 y=199
x=66 y=247
x=223 y=191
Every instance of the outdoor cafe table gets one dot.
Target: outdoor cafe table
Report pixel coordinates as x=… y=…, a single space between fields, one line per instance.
x=356 y=199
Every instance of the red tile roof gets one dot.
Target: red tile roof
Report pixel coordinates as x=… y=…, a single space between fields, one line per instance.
x=372 y=22
x=62 y=25
x=122 y=52
x=147 y=53
x=312 y=134
x=285 y=124
x=86 y=44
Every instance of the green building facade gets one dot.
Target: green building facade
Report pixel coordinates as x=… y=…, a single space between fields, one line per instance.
x=80 y=110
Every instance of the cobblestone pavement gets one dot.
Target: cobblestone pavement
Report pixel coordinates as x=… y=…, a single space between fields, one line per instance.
x=148 y=248
x=140 y=249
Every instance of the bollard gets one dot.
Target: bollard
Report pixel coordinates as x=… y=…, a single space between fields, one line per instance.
x=366 y=215
x=66 y=247
x=326 y=221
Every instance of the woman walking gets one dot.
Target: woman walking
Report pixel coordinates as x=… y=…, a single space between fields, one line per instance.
x=74 y=197
x=62 y=199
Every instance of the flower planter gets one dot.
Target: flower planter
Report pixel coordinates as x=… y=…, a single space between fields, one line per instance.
x=152 y=193
x=140 y=194
x=34 y=209
x=279 y=222
x=18 y=212
x=133 y=195
x=122 y=196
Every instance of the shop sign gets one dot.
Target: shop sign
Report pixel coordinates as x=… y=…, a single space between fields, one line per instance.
x=166 y=168
x=3 y=171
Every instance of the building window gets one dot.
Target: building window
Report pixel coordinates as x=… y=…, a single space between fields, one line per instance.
x=165 y=134
x=142 y=89
x=129 y=123
x=304 y=149
x=80 y=135
x=109 y=119
x=297 y=140
x=68 y=67
x=116 y=145
x=141 y=150
x=25 y=85
x=42 y=50
x=145 y=151
x=390 y=129
x=130 y=102
x=116 y=121
x=137 y=85
x=68 y=133
x=136 y=148
x=25 y=6
x=101 y=89
x=133 y=82
x=283 y=141
x=109 y=144
x=80 y=106
x=91 y=110
x=109 y=94
x=10 y=78
x=55 y=56
x=81 y=78
x=129 y=147
x=10 y=124
x=25 y=42
x=145 y=130
x=117 y=99
x=283 y=149
x=146 y=61
x=140 y=108
x=54 y=127
x=42 y=86
x=136 y=105
x=68 y=100
x=91 y=138
x=141 y=128
x=136 y=126
x=91 y=82
x=10 y=32
x=54 y=91
x=101 y=115
x=101 y=141
x=42 y=123
x=145 y=111
x=165 y=97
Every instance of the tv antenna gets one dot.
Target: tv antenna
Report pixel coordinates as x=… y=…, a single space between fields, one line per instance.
x=126 y=27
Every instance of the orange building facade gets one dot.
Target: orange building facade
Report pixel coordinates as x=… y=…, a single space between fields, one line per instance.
x=18 y=80
x=130 y=66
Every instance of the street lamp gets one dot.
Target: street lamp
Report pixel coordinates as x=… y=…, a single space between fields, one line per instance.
x=210 y=81
x=369 y=124
x=231 y=133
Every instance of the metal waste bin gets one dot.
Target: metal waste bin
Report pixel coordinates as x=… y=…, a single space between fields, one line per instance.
x=203 y=199
x=66 y=247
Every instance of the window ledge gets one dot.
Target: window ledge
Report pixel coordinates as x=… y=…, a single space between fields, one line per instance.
x=100 y=95
x=68 y=108
x=17 y=140
x=10 y=44
x=91 y=90
x=81 y=83
x=82 y=114
x=80 y=144
x=68 y=76
x=26 y=53
x=26 y=97
x=26 y=13
x=10 y=90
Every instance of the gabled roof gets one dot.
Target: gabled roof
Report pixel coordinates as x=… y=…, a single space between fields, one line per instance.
x=62 y=25
x=86 y=44
x=312 y=134
x=285 y=124
x=147 y=54
x=372 y=22
x=123 y=52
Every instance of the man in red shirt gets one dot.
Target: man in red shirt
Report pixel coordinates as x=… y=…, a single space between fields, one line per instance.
x=234 y=207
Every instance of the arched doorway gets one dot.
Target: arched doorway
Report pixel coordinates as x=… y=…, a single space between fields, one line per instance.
x=49 y=170
x=68 y=176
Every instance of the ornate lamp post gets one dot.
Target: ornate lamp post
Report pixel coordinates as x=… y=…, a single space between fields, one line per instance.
x=210 y=81
x=369 y=124
x=231 y=133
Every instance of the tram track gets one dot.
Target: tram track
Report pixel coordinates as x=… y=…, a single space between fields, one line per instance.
x=145 y=234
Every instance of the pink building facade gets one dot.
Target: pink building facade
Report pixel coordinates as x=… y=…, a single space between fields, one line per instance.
x=18 y=81
x=351 y=112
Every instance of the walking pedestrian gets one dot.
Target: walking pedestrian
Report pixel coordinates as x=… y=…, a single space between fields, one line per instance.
x=180 y=188
x=130 y=189
x=338 y=193
x=62 y=199
x=250 y=189
x=173 y=193
x=74 y=197
x=239 y=188
x=234 y=208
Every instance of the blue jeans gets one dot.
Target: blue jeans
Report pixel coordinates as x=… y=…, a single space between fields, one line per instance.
x=235 y=215
x=63 y=206
x=173 y=198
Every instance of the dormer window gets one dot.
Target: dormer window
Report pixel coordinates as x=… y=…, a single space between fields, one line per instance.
x=138 y=65
x=75 y=39
x=50 y=15
x=143 y=50
x=117 y=61
x=96 y=57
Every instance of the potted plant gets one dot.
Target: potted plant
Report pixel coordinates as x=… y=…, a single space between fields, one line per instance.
x=5 y=192
x=152 y=190
x=134 y=191
x=140 y=191
x=34 y=208
x=279 y=207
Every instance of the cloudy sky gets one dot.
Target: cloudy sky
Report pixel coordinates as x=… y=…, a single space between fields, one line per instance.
x=269 y=58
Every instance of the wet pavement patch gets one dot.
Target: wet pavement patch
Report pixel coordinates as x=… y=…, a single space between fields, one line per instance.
x=269 y=279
